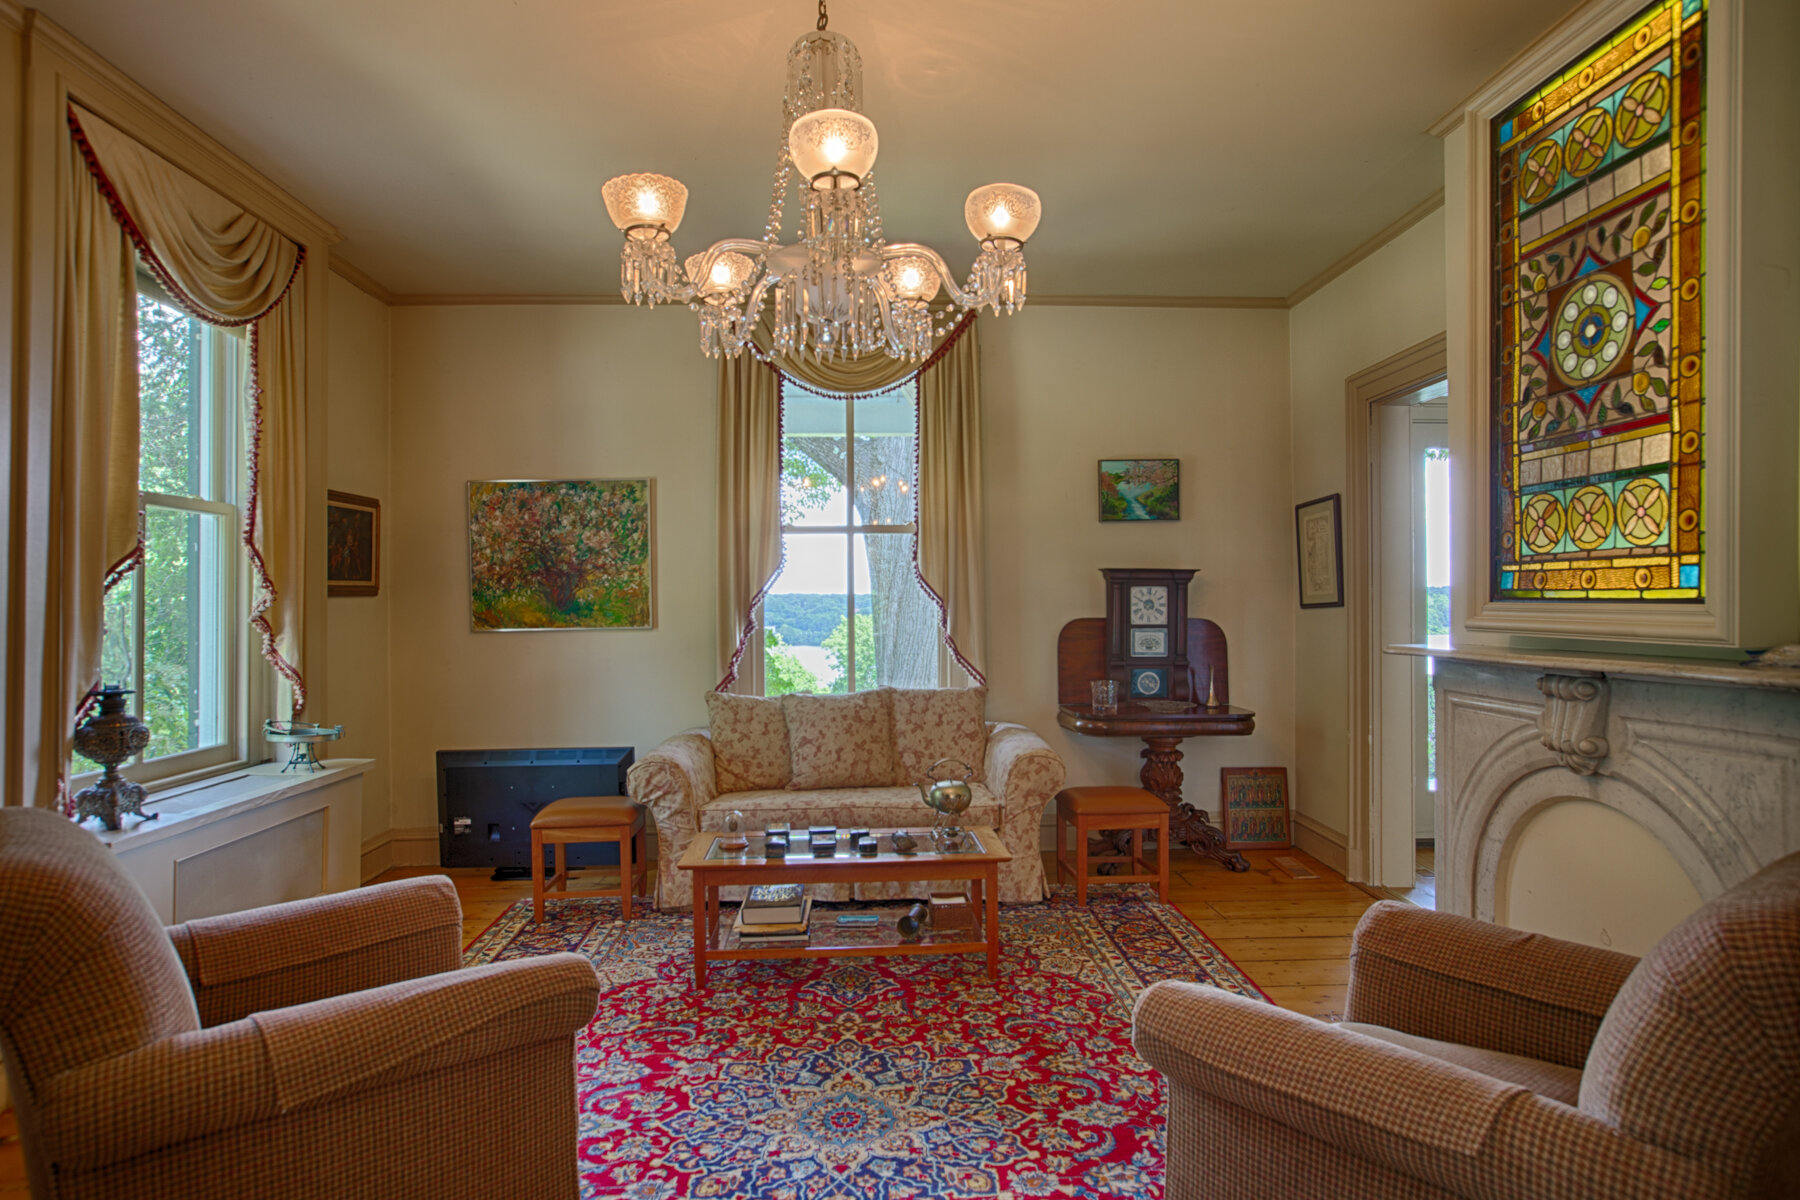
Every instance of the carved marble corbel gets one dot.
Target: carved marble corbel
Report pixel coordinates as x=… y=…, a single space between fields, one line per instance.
x=1573 y=723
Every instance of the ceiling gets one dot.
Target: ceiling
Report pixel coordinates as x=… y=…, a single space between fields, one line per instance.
x=1181 y=149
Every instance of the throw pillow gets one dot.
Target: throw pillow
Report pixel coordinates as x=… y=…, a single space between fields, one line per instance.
x=934 y=723
x=841 y=741
x=749 y=742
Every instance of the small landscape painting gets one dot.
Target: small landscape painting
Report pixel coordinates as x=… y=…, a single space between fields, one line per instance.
x=559 y=554
x=352 y=544
x=1140 y=489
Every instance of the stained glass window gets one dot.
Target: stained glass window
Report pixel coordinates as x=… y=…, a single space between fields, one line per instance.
x=1599 y=281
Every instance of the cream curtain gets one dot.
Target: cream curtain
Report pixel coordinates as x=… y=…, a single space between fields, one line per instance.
x=949 y=496
x=948 y=551
x=225 y=266
x=749 y=502
x=94 y=536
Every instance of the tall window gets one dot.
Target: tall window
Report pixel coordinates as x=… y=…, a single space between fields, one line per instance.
x=174 y=627
x=847 y=612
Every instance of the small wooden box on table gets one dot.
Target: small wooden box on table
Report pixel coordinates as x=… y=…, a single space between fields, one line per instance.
x=714 y=869
x=583 y=819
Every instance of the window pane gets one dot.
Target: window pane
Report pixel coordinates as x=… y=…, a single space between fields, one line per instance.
x=118 y=655
x=806 y=608
x=897 y=642
x=169 y=390
x=885 y=450
x=186 y=634
x=814 y=459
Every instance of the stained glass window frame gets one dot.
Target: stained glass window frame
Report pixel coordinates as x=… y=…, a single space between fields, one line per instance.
x=1573 y=518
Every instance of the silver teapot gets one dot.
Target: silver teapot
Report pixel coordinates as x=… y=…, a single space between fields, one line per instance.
x=949 y=798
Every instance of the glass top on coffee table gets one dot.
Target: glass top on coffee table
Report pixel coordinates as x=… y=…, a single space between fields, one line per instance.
x=843 y=849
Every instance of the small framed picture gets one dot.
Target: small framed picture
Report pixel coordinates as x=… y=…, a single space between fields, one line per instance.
x=1149 y=643
x=1253 y=808
x=352 y=545
x=1140 y=489
x=1319 y=542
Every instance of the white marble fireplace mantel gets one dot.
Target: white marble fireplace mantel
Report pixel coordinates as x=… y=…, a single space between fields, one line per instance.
x=1601 y=797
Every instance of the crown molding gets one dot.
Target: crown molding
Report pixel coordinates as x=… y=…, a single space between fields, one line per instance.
x=12 y=14
x=93 y=82
x=1408 y=219
x=1104 y=301
x=357 y=277
x=463 y=299
x=1586 y=22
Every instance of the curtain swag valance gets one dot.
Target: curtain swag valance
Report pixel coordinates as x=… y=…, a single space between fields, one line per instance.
x=947 y=501
x=227 y=267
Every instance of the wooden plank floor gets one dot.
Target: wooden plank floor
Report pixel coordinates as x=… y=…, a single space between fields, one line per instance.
x=1291 y=935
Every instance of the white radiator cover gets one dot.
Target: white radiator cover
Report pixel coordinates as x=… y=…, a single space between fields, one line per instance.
x=246 y=839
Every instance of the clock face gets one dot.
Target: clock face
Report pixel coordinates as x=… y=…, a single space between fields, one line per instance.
x=1149 y=605
x=1149 y=682
x=1149 y=643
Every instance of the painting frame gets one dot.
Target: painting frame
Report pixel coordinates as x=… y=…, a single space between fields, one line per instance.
x=352 y=564
x=594 y=582
x=1158 y=499
x=1255 y=809
x=1319 y=551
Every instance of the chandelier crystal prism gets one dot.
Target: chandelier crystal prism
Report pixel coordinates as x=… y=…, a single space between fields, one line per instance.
x=840 y=290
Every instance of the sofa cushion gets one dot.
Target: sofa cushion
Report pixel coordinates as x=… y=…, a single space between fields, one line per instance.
x=840 y=741
x=934 y=723
x=749 y=741
x=846 y=808
x=1547 y=1079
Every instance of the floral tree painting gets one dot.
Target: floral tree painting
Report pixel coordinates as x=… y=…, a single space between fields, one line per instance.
x=1140 y=489
x=560 y=554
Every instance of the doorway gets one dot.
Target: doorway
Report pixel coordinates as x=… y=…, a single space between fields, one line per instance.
x=1396 y=592
x=1411 y=546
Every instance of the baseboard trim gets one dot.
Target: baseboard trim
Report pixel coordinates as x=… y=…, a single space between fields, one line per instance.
x=1322 y=842
x=399 y=848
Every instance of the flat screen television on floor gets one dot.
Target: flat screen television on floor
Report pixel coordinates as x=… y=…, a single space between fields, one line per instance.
x=486 y=799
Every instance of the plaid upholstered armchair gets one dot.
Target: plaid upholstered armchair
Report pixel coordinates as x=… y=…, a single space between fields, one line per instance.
x=1482 y=1061
x=326 y=1048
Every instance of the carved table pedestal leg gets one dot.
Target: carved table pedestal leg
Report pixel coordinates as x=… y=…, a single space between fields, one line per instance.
x=1161 y=776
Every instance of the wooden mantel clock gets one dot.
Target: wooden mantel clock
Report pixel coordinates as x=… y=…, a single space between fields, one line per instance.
x=1147 y=631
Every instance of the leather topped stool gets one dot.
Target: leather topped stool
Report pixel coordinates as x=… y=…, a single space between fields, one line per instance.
x=1099 y=808
x=586 y=819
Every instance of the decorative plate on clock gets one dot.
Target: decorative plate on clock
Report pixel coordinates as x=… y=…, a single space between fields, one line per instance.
x=1149 y=681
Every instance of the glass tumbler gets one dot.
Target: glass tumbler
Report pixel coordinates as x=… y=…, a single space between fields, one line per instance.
x=1106 y=696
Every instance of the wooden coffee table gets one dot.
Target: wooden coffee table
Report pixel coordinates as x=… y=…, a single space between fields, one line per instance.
x=714 y=868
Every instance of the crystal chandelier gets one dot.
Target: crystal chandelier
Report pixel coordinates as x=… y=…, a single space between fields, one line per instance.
x=841 y=290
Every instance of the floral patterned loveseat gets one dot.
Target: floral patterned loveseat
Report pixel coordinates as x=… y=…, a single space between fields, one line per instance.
x=845 y=760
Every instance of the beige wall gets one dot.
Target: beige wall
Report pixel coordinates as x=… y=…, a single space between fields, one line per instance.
x=357 y=449
x=1390 y=301
x=1064 y=387
x=560 y=392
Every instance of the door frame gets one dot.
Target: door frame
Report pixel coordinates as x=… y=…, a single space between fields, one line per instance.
x=1409 y=370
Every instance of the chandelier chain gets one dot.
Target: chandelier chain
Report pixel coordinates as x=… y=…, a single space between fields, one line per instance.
x=824 y=17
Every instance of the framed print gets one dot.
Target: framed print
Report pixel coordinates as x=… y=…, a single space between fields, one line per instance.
x=352 y=545
x=1253 y=808
x=1319 y=541
x=1140 y=489
x=1149 y=643
x=559 y=554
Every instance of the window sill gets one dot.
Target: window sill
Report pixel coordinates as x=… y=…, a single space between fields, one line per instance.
x=190 y=806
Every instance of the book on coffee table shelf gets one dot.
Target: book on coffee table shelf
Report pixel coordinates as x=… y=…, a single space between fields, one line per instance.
x=774 y=904
x=747 y=927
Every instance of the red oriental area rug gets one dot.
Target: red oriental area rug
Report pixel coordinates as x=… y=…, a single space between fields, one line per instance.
x=901 y=1078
